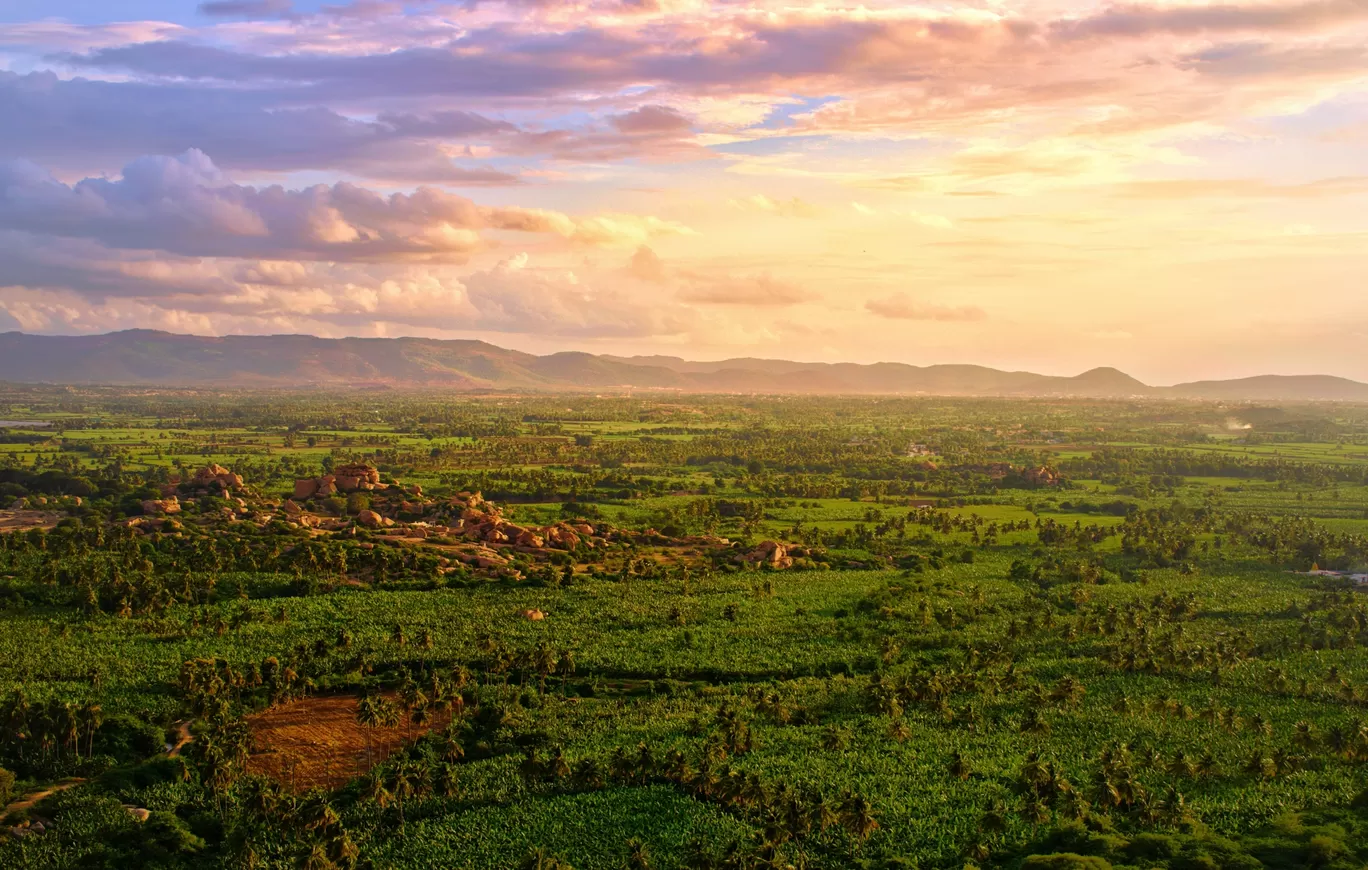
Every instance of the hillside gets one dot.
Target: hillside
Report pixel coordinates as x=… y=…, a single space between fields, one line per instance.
x=145 y=357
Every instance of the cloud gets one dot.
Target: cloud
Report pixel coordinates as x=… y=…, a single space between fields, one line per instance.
x=247 y=8
x=646 y=265
x=91 y=125
x=98 y=294
x=184 y=205
x=793 y=207
x=1242 y=188
x=902 y=307
x=1139 y=19
x=513 y=298
x=750 y=290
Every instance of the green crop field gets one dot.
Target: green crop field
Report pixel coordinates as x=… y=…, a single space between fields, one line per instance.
x=700 y=632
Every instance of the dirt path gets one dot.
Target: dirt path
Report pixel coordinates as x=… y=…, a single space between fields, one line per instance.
x=34 y=798
x=31 y=800
x=182 y=737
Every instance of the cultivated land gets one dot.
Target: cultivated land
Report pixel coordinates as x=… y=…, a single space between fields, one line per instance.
x=398 y=630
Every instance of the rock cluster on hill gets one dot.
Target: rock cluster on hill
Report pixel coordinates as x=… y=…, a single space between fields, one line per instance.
x=770 y=554
x=216 y=475
x=346 y=479
x=1042 y=475
x=462 y=528
x=159 y=506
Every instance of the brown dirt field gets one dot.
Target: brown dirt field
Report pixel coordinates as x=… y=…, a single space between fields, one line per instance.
x=316 y=742
x=19 y=521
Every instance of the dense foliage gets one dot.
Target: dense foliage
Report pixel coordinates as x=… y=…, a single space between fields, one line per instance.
x=1042 y=635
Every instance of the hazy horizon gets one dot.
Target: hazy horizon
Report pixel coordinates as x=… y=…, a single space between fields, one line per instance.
x=1176 y=190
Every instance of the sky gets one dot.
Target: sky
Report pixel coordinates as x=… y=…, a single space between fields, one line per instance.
x=1177 y=189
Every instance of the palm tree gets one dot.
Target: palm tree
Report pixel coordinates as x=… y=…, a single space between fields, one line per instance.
x=92 y=715
x=368 y=716
x=318 y=858
x=407 y=780
x=544 y=663
x=1304 y=736
x=898 y=730
x=376 y=791
x=540 y=859
x=1035 y=811
x=1182 y=766
x=857 y=817
x=637 y=856
x=588 y=774
x=959 y=766
x=1261 y=765
x=1074 y=806
x=558 y=766
x=994 y=820
x=448 y=781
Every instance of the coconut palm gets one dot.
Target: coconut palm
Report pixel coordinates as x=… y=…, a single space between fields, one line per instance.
x=857 y=817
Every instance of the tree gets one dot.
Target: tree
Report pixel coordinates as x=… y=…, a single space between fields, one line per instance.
x=638 y=858
x=959 y=766
x=540 y=859
x=857 y=817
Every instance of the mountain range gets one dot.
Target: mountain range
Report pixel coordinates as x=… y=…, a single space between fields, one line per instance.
x=151 y=358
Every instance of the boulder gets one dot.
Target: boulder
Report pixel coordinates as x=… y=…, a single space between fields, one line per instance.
x=372 y=520
x=305 y=489
x=291 y=509
x=1043 y=475
x=771 y=553
x=216 y=475
x=562 y=537
x=533 y=615
x=351 y=478
x=157 y=507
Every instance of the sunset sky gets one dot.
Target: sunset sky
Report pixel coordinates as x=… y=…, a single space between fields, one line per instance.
x=1179 y=190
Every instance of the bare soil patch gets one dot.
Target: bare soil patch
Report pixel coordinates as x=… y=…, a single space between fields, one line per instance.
x=317 y=742
x=21 y=521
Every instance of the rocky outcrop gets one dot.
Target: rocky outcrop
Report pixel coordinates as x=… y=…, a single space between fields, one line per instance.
x=160 y=506
x=562 y=537
x=1042 y=475
x=345 y=479
x=214 y=475
x=771 y=554
x=353 y=478
x=372 y=520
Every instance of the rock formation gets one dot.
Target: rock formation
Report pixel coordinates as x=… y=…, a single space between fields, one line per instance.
x=768 y=553
x=347 y=478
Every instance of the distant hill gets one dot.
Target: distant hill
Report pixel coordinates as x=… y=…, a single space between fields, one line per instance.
x=1277 y=388
x=150 y=358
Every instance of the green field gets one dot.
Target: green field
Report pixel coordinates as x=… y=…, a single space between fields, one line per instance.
x=1130 y=667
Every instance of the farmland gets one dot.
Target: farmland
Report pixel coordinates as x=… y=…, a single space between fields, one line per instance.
x=406 y=631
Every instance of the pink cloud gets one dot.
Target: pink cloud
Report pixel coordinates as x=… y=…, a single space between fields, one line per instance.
x=185 y=206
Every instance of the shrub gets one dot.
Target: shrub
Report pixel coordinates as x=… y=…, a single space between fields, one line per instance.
x=127 y=738
x=1065 y=861
x=6 y=786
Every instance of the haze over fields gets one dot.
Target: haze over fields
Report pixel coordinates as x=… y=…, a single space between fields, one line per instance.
x=1175 y=189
